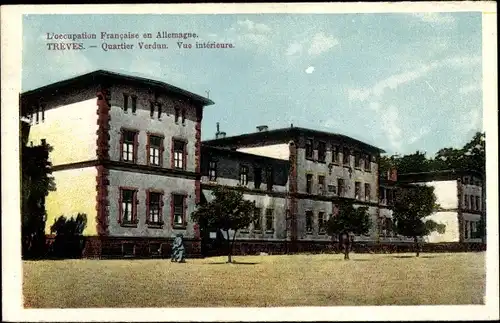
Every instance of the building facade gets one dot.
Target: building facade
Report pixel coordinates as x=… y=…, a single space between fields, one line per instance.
x=461 y=199
x=324 y=169
x=126 y=152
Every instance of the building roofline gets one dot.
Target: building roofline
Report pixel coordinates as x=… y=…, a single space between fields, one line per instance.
x=437 y=175
x=244 y=154
x=227 y=141
x=110 y=74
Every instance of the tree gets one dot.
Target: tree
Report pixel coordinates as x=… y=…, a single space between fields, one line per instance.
x=227 y=211
x=36 y=182
x=413 y=204
x=68 y=242
x=346 y=222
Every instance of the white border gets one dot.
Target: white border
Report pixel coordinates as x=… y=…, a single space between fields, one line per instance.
x=11 y=38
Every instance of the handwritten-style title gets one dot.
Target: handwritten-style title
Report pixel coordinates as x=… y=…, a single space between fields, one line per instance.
x=108 y=41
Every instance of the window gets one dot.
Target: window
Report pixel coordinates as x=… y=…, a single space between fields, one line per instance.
x=179 y=154
x=42 y=107
x=269 y=178
x=340 y=185
x=178 y=210
x=472 y=202
x=177 y=114
x=152 y=109
x=129 y=143
x=466 y=180
x=128 y=206
x=257 y=173
x=37 y=109
x=309 y=149
x=473 y=227
x=368 y=161
x=134 y=104
x=466 y=200
x=257 y=219
x=357 y=160
x=357 y=190
x=322 y=151
x=125 y=102
x=183 y=116
x=383 y=199
x=309 y=222
x=321 y=184
x=309 y=179
x=155 y=150
x=346 y=156
x=159 y=110
x=212 y=171
x=269 y=220
x=367 y=192
x=390 y=197
x=155 y=204
x=332 y=189
x=478 y=203
x=321 y=223
x=466 y=229
x=243 y=175
x=335 y=154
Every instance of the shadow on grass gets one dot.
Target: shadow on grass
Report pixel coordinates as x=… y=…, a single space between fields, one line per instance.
x=360 y=259
x=403 y=257
x=234 y=263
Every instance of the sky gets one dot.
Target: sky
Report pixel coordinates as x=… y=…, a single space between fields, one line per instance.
x=400 y=81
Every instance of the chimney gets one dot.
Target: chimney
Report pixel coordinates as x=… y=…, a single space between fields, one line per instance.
x=218 y=133
x=222 y=134
x=262 y=128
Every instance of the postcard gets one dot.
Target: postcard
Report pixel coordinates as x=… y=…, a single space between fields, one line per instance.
x=250 y=161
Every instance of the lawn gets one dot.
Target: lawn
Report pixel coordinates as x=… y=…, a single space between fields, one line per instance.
x=290 y=280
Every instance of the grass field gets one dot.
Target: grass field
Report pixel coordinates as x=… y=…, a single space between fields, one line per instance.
x=291 y=280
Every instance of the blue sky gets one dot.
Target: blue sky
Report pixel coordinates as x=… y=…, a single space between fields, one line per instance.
x=403 y=82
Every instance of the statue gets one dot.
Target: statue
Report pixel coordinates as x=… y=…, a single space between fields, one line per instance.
x=178 y=249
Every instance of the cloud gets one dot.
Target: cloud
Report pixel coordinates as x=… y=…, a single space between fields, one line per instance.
x=466 y=89
x=435 y=18
x=294 y=48
x=321 y=43
x=471 y=121
x=252 y=26
x=310 y=69
x=421 y=133
x=394 y=81
x=391 y=126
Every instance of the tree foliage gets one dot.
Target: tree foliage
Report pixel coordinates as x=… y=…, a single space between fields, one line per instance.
x=412 y=205
x=472 y=156
x=348 y=221
x=227 y=211
x=36 y=182
x=68 y=242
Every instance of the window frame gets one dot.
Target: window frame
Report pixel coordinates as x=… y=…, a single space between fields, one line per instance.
x=357 y=190
x=257 y=215
x=322 y=148
x=346 y=156
x=367 y=192
x=134 y=202
x=309 y=217
x=269 y=214
x=160 y=148
x=126 y=97
x=212 y=167
x=341 y=191
x=243 y=175
x=269 y=178
x=309 y=149
x=175 y=152
x=149 y=221
x=335 y=154
x=173 y=214
x=322 y=223
x=309 y=183
x=135 y=144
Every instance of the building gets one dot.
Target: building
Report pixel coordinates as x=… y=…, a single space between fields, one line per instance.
x=262 y=180
x=462 y=204
x=324 y=168
x=126 y=152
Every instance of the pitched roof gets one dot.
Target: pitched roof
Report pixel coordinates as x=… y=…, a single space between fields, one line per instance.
x=97 y=75
x=283 y=134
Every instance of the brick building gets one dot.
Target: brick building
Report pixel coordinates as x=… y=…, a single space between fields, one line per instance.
x=126 y=153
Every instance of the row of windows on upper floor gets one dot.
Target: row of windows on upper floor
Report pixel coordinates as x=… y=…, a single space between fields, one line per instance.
x=361 y=161
x=155 y=109
x=471 y=180
x=129 y=144
x=471 y=202
x=128 y=202
x=243 y=175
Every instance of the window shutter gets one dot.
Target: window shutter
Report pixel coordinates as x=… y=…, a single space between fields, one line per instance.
x=121 y=145
x=162 y=149
x=136 y=146
x=120 y=206
x=172 y=162
x=148 y=219
x=172 y=210
x=184 y=157
x=184 y=210
x=148 y=153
